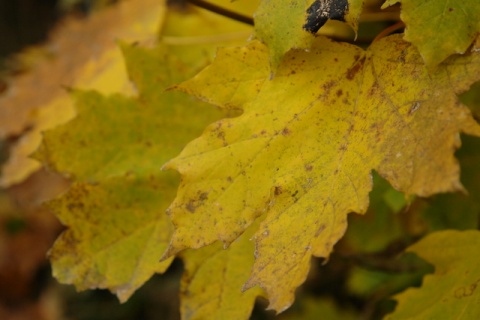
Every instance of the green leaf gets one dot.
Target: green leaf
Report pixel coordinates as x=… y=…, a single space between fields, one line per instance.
x=452 y=291
x=439 y=28
x=304 y=148
x=314 y=309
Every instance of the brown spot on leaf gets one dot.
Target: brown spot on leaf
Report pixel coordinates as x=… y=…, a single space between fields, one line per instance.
x=308 y=167
x=339 y=93
x=355 y=69
x=466 y=291
x=278 y=190
x=191 y=206
x=285 y=131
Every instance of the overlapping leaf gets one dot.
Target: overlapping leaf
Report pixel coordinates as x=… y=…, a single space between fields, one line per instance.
x=440 y=28
x=114 y=149
x=452 y=291
x=304 y=148
x=213 y=279
x=279 y=24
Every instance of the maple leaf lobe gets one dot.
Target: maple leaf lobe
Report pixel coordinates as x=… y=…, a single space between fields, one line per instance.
x=322 y=10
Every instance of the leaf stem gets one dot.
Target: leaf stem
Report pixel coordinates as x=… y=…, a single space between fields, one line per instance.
x=222 y=11
x=397 y=26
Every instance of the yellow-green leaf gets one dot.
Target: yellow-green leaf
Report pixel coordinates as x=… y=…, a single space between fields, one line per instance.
x=213 y=279
x=440 y=28
x=279 y=24
x=114 y=149
x=304 y=148
x=117 y=233
x=353 y=13
x=451 y=292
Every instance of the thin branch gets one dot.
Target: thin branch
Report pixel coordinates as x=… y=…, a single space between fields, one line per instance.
x=222 y=11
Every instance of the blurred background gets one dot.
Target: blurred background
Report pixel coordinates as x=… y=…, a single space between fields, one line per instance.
x=357 y=282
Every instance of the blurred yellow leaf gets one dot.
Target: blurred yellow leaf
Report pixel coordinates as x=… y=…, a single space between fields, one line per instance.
x=81 y=54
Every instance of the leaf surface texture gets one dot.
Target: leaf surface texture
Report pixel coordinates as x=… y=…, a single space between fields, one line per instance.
x=303 y=150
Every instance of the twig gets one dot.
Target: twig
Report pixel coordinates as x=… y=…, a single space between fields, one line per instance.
x=222 y=11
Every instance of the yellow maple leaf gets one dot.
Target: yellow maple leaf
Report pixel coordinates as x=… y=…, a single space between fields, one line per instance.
x=305 y=146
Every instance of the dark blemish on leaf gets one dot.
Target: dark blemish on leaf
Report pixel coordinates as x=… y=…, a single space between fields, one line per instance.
x=450 y=9
x=466 y=291
x=278 y=190
x=327 y=86
x=295 y=193
x=335 y=59
x=339 y=93
x=191 y=206
x=354 y=70
x=308 y=167
x=285 y=132
x=322 y=10
x=203 y=196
